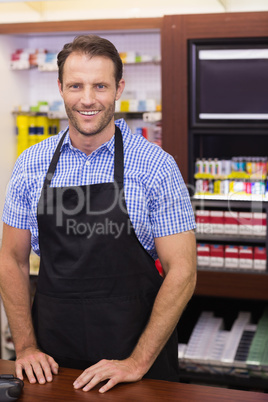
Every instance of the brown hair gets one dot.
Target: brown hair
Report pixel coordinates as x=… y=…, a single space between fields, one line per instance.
x=92 y=45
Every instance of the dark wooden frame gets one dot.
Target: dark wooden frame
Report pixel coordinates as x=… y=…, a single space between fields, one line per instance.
x=176 y=31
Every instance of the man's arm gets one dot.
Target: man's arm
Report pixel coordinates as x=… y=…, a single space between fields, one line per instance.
x=177 y=254
x=15 y=292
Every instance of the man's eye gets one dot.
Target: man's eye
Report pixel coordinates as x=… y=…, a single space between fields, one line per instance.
x=75 y=86
x=101 y=86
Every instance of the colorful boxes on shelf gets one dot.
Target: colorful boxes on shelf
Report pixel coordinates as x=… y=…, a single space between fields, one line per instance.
x=219 y=256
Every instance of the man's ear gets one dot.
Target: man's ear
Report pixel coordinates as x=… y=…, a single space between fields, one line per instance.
x=120 y=89
x=60 y=87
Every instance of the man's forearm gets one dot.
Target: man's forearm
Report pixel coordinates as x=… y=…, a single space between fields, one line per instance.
x=15 y=292
x=170 y=302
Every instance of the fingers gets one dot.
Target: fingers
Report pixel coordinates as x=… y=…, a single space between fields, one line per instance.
x=113 y=370
x=91 y=376
x=110 y=384
x=54 y=366
x=37 y=367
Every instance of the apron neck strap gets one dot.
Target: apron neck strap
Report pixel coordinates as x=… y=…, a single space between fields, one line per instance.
x=118 y=159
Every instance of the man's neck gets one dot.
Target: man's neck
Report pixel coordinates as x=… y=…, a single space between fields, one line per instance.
x=89 y=143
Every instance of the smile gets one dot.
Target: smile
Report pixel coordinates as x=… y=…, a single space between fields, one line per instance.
x=90 y=113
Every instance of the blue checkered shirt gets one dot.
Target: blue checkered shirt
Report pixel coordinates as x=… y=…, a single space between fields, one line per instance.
x=156 y=196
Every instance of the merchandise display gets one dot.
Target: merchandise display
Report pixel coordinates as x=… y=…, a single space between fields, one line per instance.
x=240 y=351
x=32 y=129
x=239 y=176
x=231 y=222
x=231 y=257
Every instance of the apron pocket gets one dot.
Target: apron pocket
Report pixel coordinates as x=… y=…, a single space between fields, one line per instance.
x=59 y=326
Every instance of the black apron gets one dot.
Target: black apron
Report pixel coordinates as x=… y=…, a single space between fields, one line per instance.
x=97 y=284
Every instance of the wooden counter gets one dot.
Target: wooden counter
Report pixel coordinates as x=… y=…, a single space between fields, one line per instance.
x=61 y=389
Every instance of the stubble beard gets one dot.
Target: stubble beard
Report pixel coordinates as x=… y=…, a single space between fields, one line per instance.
x=100 y=126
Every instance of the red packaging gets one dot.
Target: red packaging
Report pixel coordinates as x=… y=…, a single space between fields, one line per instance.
x=246 y=257
x=217 y=255
x=260 y=258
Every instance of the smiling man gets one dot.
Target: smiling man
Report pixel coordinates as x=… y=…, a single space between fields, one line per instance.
x=100 y=305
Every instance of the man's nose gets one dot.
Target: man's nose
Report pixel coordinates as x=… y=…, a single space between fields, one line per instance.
x=88 y=96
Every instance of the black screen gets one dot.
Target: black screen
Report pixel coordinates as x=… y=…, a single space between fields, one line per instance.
x=233 y=86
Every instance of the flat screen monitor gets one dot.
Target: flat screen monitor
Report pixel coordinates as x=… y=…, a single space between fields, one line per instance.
x=228 y=82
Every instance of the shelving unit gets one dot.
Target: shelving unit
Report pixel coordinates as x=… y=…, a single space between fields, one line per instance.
x=216 y=290
x=226 y=282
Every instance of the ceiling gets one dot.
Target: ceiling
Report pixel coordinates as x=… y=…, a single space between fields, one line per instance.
x=12 y=11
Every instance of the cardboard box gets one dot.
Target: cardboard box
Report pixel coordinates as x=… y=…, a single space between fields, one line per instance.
x=217 y=255
x=246 y=257
x=203 y=255
x=260 y=258
x=230 y=222
x=217 y=221
x=202 y=218
x=259 y=223
x=245 y=220
x=231 y=255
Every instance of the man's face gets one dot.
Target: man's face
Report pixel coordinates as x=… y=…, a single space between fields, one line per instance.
x=89 y=93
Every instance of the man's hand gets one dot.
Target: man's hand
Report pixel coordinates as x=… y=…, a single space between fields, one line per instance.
x=37 y=366
x=115 y=371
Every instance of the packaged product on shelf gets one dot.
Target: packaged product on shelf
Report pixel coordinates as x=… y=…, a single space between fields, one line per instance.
x=203 y=224
x=54 y=126
x=32 y=131
x=124 y=105
x=217 y=221
x=218 y=167
x=142 y=105
x=133 y=105
x=226 y=167
x=231 y=257
x=150 y=105
x=199 y=187
x=47 y=62
x=225 y=187
x=245 y=221
x=245 y=257
x=211 y=167
x=217 y=187
x=203 y=255
x=42 y=124
x=258 y=188
x=198 y=166
x=259 y=223
x=217 y=255
x=206 y=166
x=230 y=220
x=22 y=128
x=260 y=258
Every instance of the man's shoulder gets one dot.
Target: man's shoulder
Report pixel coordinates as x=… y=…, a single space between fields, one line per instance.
x=146 y=155
x=40 y=151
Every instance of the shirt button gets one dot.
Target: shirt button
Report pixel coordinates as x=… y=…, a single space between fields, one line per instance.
x=87 y=163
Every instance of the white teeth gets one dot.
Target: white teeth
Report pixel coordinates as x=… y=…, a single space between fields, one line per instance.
x=89 y=113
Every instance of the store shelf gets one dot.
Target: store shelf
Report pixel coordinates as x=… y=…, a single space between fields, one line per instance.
x=232 y=284
x=231 y=381
x=144 y=115
x=231 y=238
x=52 y=68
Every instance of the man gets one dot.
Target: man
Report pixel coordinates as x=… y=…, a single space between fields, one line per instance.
x=98 y=204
